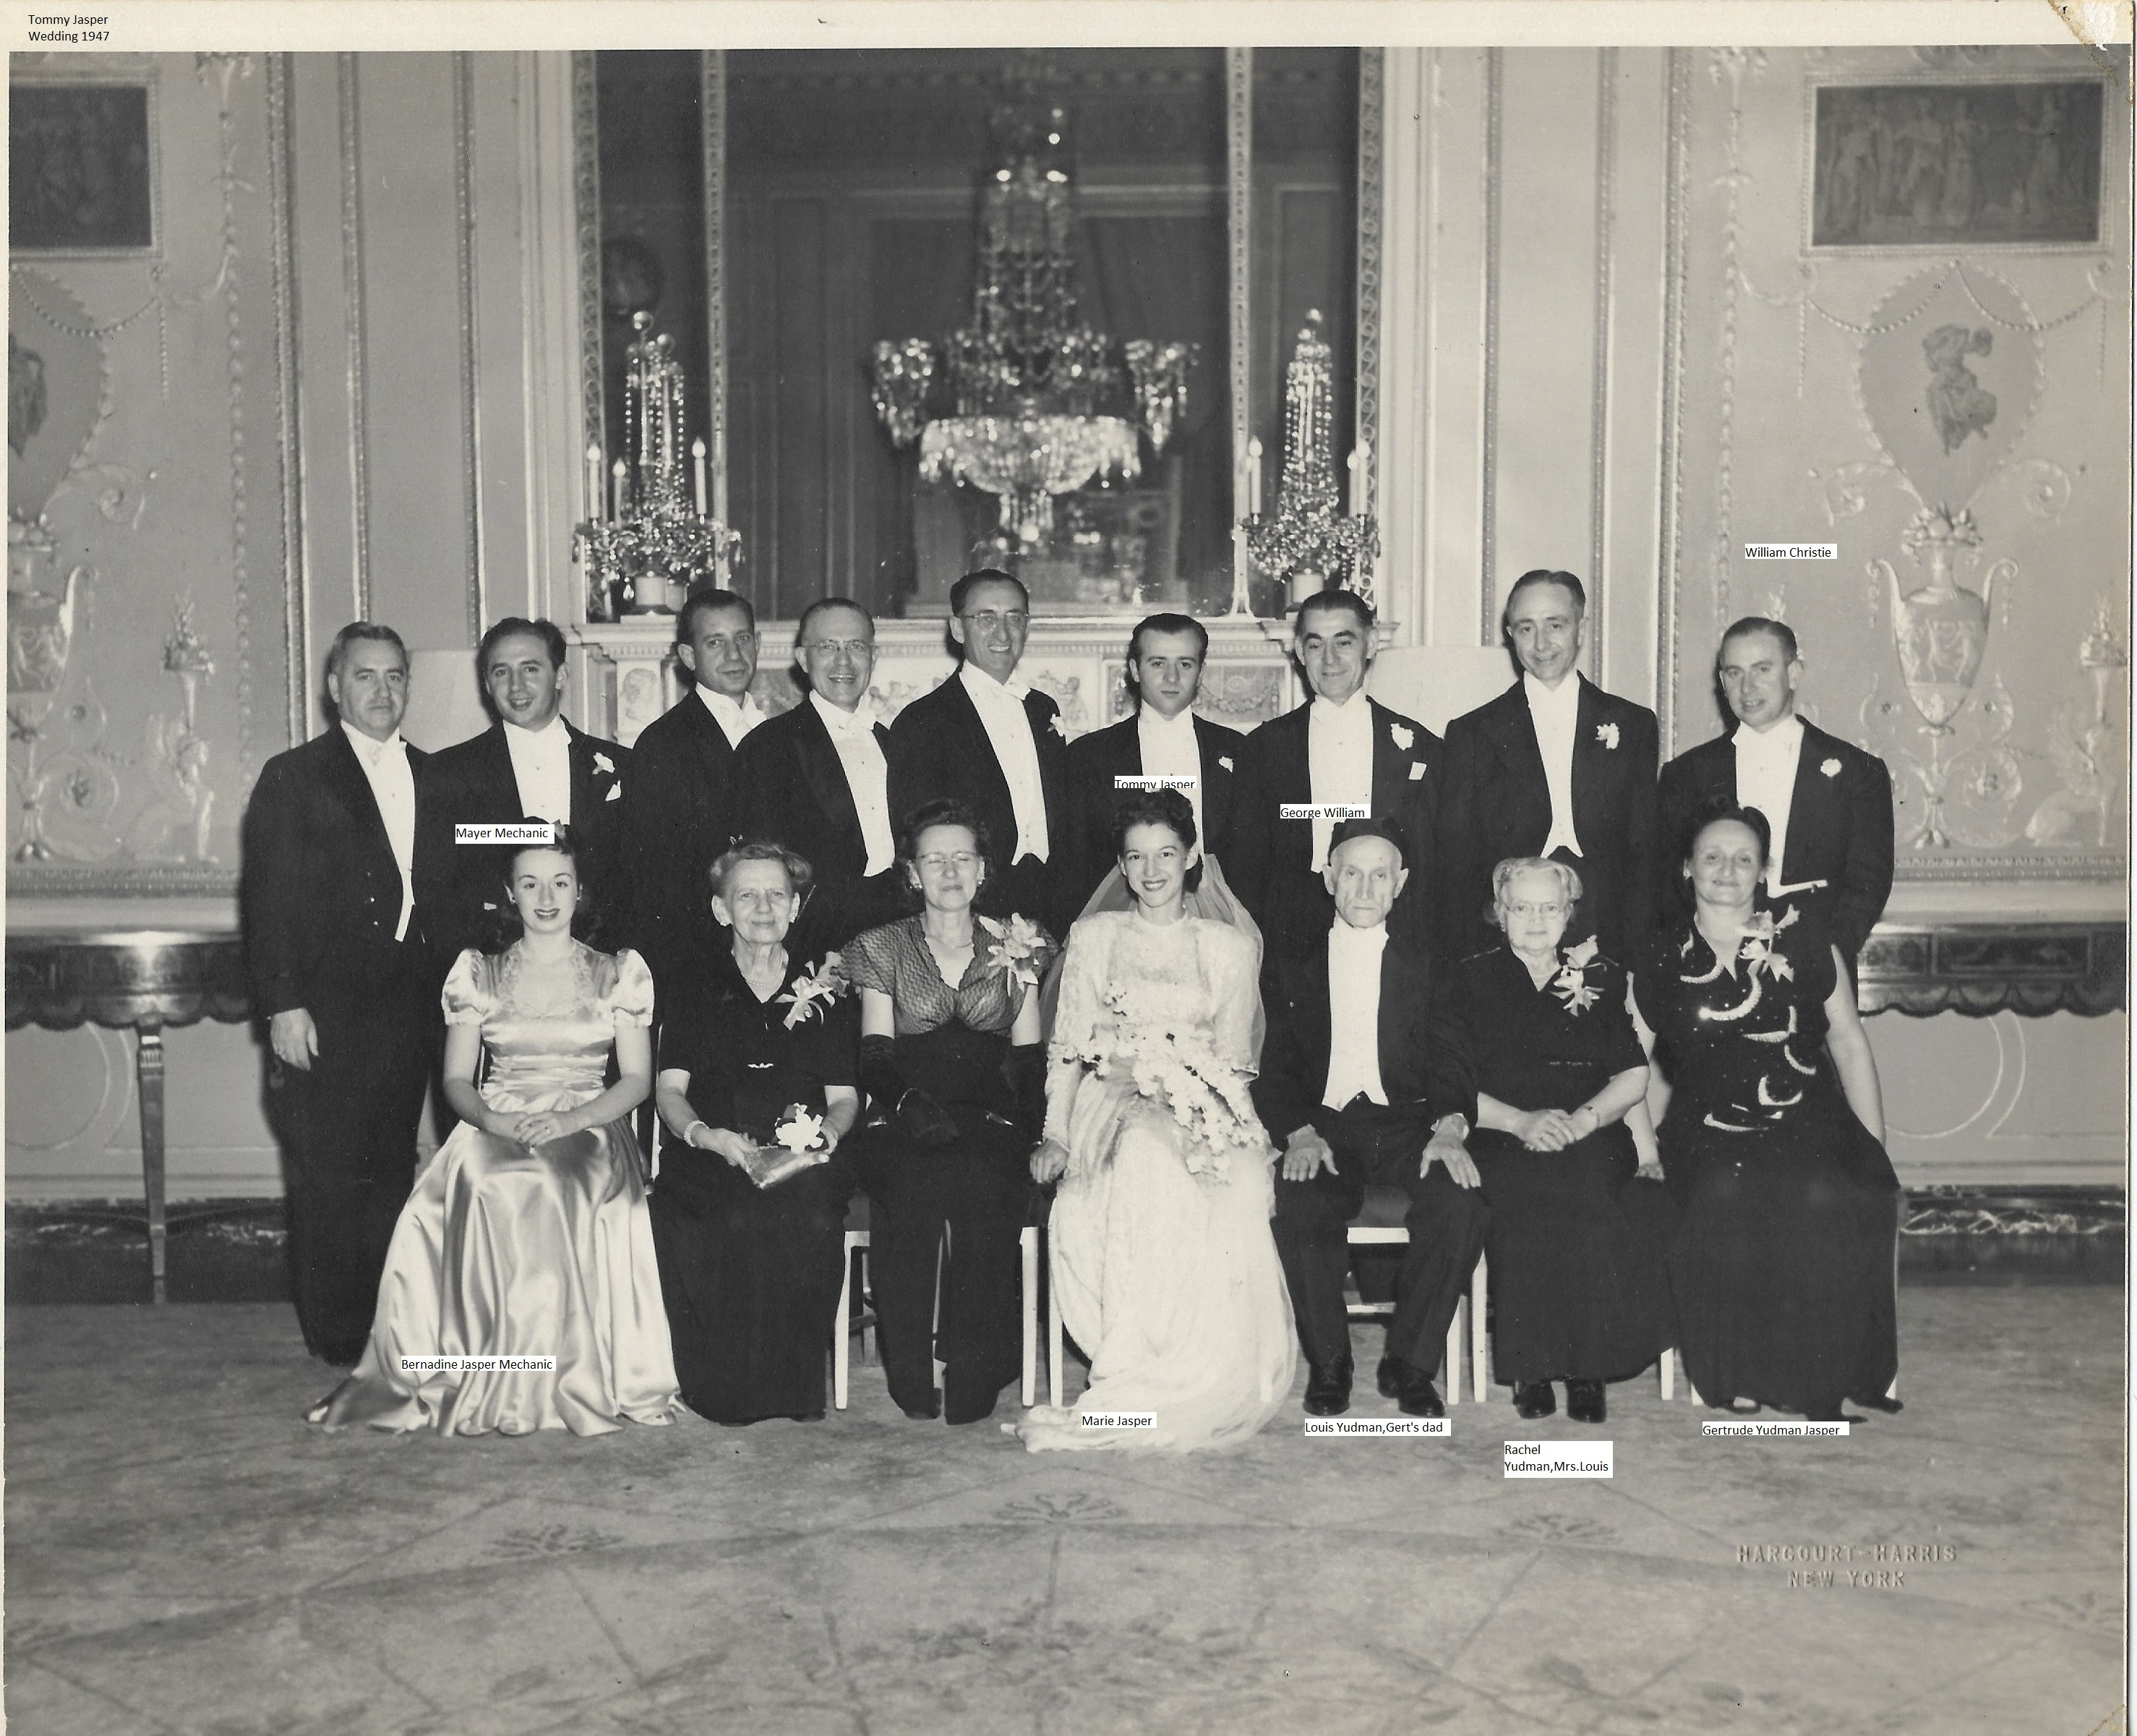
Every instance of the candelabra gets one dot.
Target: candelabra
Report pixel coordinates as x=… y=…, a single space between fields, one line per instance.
x=1310 y=540
x=658 y=541
x=1026 y=401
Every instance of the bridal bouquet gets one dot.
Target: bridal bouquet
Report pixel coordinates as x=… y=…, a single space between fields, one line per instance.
x=1179 y=1071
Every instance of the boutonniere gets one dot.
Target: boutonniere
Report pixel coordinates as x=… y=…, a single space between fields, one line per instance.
x=1607 y=733
x=1831 y=768
x=1757 y=950
x=1225 y=761
x=813 y=992
x=1571 y=984
x=1403 y=735
x=1055 y=721
x=1017 y=945
x=602 y=763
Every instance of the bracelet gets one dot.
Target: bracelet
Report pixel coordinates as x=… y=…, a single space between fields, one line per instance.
x=691 y=1129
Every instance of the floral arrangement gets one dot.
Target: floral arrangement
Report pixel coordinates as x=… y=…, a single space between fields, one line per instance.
x=1571 y=984
x=1019 y=951
x=798 y=1130
x=815 y=991
x=1207 y=1097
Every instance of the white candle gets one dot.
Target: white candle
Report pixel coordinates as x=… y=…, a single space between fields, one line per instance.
x=1362 y=494
x=1351 y=482
x=618 y=473
x=698 y=464
x=593 y=480
x=1254 y=477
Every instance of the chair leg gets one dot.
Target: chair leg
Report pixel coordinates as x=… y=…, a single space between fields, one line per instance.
x=935 y=1322
x=1479 y=1347
x=841 y=1330
x=1455 y=1334
x=1053 y=1328
x=1666 y=1364
x=1027 y=1244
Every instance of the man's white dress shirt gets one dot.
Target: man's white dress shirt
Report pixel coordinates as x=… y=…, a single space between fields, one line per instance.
x=1354 y=1013
x=853 y=734
x=1556 y=717
x=1339 y=761
x=1767 y=780
x=1170 y=749
x=736 y=718
x=1008 y=726
x=541 y=767
x=392 y=782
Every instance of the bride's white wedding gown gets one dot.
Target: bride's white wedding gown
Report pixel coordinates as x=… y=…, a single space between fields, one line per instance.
x=1162 y=1256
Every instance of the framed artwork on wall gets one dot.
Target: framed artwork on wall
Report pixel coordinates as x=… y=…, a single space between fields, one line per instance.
x=1966 y=165
x=81 y=162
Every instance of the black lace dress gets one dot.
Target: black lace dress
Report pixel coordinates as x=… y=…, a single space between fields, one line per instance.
x=1782 y=1274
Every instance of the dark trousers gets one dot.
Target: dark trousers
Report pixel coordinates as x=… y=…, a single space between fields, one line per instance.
x=346 y=1126
x=1446 y=1222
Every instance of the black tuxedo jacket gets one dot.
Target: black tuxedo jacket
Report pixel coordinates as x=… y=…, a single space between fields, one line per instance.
x=1271 y=859
x=939 y=747
x=1095 y=759
x=320 y=895
x=1495 y=802
x=1425 y=1059
x=679 y=815
x=460 y=887
x=1840 y=829
x=789 y=786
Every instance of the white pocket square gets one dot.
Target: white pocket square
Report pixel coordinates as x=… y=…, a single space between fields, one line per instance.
x=1416 y=770
x=614 y=794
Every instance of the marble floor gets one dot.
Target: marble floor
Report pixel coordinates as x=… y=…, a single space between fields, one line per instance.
x=184 y=1554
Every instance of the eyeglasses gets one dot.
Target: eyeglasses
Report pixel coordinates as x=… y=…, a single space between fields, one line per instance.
x=937 y=860
x=1525 y=908
x=987 y=620
x=855 y=649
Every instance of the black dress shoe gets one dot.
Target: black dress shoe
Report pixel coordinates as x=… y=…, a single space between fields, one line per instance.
x=1828 y=1413
x=1583 y=1400
x=927 y=1412
x=1877 y=1401
x=1328 y=1390
x=344 y=1355
x=1415 y=1395
x=1388 y=1377
x=1533 y=1398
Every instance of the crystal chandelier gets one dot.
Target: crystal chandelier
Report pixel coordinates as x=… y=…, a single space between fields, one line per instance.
x=1026 y=402
x=1310 y=540
x=657 y=543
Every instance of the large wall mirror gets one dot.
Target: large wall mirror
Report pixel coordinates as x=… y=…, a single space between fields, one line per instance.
x=783 y=215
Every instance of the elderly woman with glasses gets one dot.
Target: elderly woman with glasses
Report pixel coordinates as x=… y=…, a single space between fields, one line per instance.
x=1574 y=1246
x=957 y=1081
x=757 y=1062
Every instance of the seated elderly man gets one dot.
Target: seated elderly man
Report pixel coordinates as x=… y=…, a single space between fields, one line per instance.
x=1364 y=1079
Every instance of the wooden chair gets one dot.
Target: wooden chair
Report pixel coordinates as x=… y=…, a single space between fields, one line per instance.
x=1380 y=1224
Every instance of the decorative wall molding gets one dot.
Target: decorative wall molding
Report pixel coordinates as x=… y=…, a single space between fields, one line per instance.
x=2026 y=969
x=1239 y=186
x=296 y=578
x=1489 y=614
x=471 y=468
x=1599 y=421
x=1372 y=146
x=351 y=273
x=1675 y=249
x=586 y=177
x=712 y=102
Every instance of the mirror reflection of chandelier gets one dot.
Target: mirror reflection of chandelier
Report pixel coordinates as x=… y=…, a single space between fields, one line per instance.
x=1312 y=540
x=657 y=542
x=1026 y=401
